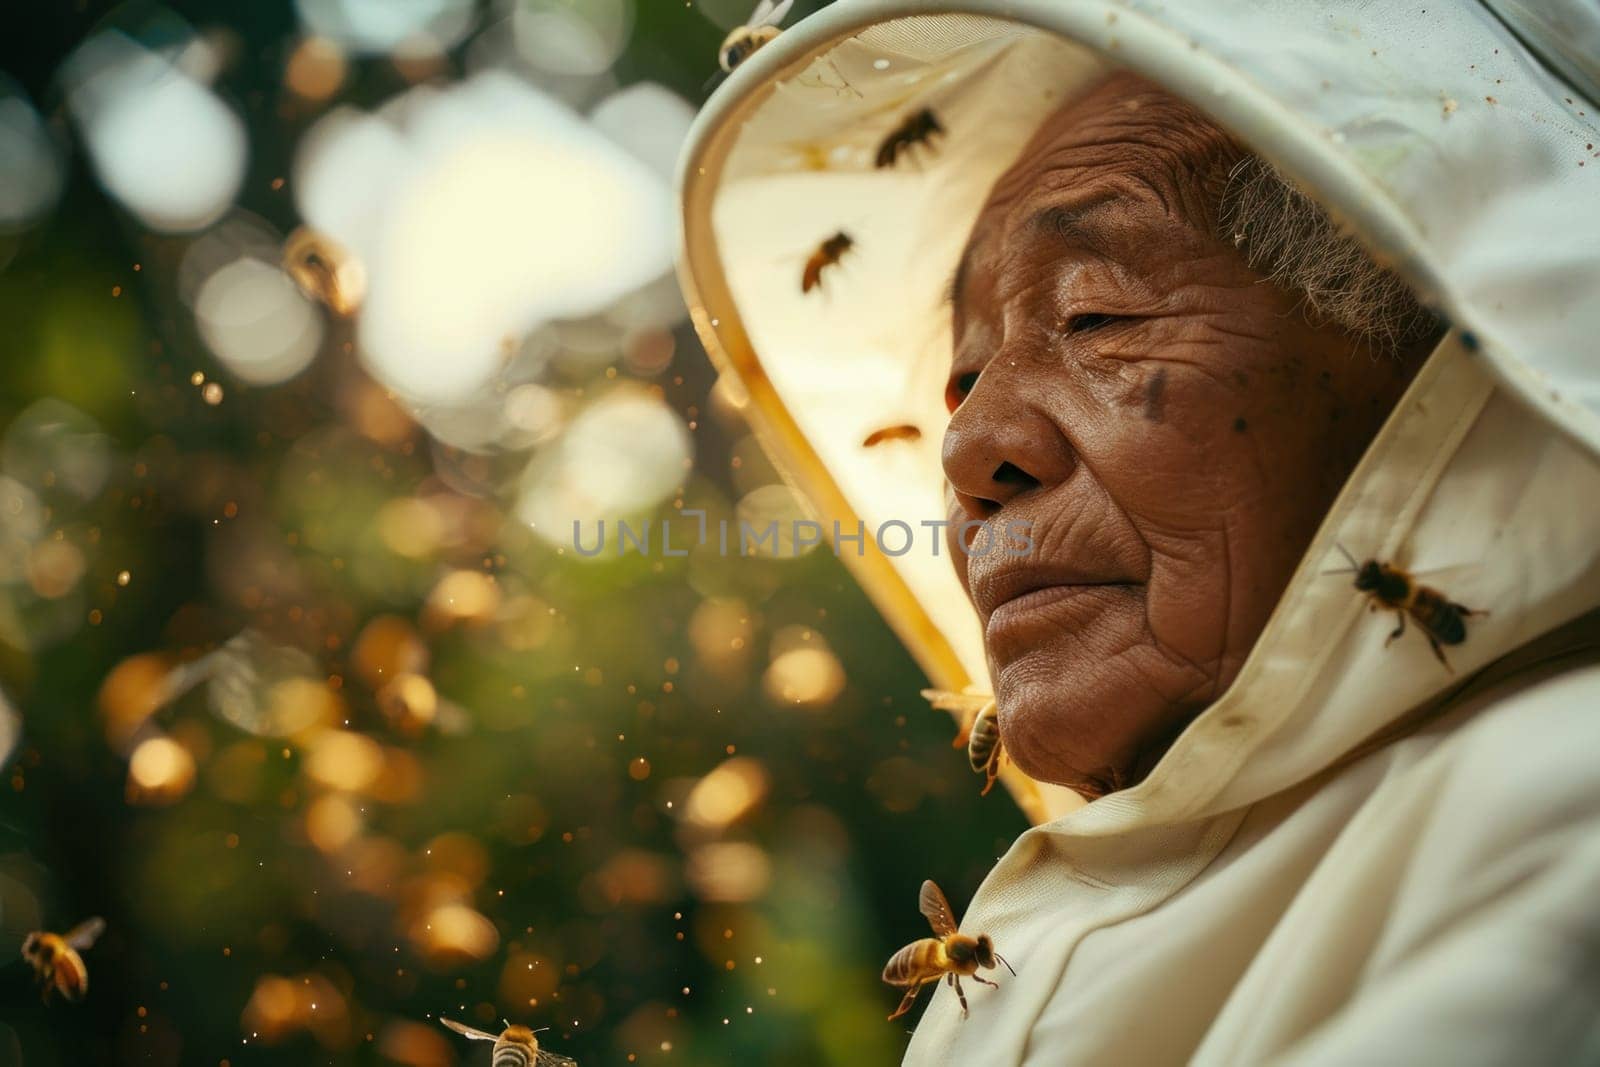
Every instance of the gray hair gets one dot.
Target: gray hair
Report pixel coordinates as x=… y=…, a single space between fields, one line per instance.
x=1288 y=236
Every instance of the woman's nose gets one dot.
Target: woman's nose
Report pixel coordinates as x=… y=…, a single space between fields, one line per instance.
x=999 y=445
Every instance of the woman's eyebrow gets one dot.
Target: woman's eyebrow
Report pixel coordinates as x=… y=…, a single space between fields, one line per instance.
x=958 y=280
x=1083 y=223
x=952 y=288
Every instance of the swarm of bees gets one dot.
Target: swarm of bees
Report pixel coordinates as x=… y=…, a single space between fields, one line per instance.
x=920 y=128
x=327 y=272
x=950 y=954
x=760 y=29
x=56 y=961
x=515 y=1046
x=1441 y=620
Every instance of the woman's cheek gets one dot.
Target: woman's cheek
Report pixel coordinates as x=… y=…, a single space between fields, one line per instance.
x=954 y=517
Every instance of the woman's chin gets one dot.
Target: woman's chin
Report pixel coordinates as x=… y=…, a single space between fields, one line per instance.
x=1077 y=725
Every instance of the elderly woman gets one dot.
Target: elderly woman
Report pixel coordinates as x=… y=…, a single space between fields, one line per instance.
x=1254 y=320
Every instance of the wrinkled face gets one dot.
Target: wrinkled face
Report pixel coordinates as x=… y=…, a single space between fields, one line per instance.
x=1168 y=423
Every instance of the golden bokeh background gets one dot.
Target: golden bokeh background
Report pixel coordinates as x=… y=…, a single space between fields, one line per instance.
x=324 y=321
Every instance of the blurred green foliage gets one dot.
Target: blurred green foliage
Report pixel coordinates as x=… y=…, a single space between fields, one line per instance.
x=265 y=513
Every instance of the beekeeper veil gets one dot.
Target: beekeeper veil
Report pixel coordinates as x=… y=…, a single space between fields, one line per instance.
x=1456 y=141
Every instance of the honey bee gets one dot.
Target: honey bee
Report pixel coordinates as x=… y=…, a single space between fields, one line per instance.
x=325 y=270
x=902 y=432
x=920 y=128
x=951 y=955
x=984 y=750
x=746 y=40
x=1441 y=620
x=55 y=958
x=979 y=734
x=828 y=253
x=515 y=1046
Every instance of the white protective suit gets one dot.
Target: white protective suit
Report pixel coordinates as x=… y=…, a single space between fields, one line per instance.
x=1356 y=856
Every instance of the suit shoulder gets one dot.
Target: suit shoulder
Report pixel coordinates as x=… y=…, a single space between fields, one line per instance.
x=1530 y=747
x=1561 y=704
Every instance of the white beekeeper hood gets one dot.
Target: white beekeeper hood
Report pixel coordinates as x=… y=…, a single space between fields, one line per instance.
x=1434 y=131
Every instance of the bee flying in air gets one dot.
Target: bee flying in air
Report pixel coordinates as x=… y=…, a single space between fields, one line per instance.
x=979 y=733
x=1441 y=620
x=828 y=253
x=515 y=1046
x=761 y=28
x=984 y=749
x=55 y=958
x=325 y=270
x=920 y=128
x=950 y=955
x=902 y=432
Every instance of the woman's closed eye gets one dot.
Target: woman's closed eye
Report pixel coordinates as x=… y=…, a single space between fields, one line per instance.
x=1090 y=321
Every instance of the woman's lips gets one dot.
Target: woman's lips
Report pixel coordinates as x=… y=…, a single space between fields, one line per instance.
x=1029 y=611
x=996 y=583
